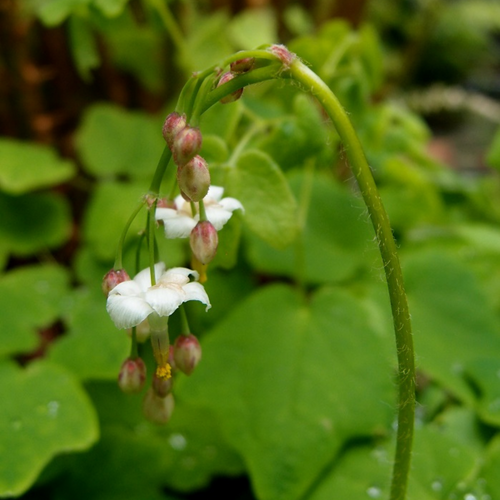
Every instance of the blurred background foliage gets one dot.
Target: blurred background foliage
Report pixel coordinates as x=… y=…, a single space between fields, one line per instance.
x=295 y=397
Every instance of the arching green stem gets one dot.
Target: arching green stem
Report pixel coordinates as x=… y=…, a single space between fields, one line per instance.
x=401 y=316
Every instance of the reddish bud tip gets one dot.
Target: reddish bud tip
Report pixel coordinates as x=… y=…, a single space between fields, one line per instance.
x=204 y=241
x=112 y=278
x=226 y=77
x=186 y=145
x=174 y=123
x=194 y=179
x=157 y=409
x=187 y=353
x=282 y=53
x=242 y=65
x=132 y=376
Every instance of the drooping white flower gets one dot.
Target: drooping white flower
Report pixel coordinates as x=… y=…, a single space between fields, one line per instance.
x=131 y=302
x=179 y=221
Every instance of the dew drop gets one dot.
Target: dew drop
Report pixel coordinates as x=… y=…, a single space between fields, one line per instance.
x=374 y=492
x=470 y=496
x=177 y=441
x=437 y=485
x=53 y=409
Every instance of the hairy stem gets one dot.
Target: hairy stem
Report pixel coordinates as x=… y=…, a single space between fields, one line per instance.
x=401 y=316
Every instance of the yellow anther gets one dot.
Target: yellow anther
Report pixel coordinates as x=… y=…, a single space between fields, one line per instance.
x=164 y=372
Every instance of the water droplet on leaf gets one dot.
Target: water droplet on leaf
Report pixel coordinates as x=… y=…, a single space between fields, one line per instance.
x=374 y=492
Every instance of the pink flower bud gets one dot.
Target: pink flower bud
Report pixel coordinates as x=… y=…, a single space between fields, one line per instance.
x=157 y=409
x=174 y=123
x=204 y=240
x=187 y=353
x=112 y=278
x=132 y=375
x=242 y=65
x=162 y=386
x=281 y=52
x=226 y=77
x=194 y=179
x=186 y=145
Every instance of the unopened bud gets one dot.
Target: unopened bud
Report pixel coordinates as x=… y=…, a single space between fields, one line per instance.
x=187 y=353
x=157 y=409
x=242 y=65
x=112 y=278
x=282 y=53
x=234 y=96
x=132 y=375
x=161 y=386
x=194 y=179
x=174 y=123
x=204 y=241
x=186 y=145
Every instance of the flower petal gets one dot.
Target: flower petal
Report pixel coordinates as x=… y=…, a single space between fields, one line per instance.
x=218 y=216
x=177 y=225
x=195 y=291
x=179 y=275
x=214 y=193
x=127 y=311
x=143 y=278
x=231 y=204
x=165 y=300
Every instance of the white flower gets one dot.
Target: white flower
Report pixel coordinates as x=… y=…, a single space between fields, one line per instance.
x=179 y=221
x=131 y=302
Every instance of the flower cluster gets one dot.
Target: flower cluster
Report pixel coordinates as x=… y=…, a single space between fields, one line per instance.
x=145 y=303
x=189 y=216
x=132 y=303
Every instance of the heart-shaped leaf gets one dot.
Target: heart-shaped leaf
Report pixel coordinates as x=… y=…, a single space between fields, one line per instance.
x=290 y=381
x=44 y=412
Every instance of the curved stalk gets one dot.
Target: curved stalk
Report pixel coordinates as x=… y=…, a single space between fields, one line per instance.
x=399 y=305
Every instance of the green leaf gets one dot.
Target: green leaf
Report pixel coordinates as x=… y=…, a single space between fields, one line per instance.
x=109 y=209
x=290 y=382
x=455 y=328
x=206 y=41
x=270 y=207
x=252 y=28
x=441 y=462
x=493 y=155
x=34 y=222
x=33 y=297
x=137 y=48
x=185 y=454
x=44 y=412
x=112 y=141
x=452 y=321
x=83 y=46
x=336 y=242
x=491 y=467
x=25 y=167
x=111 y=8
x=54 y=12
x=214 y=149
x=92 y=346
